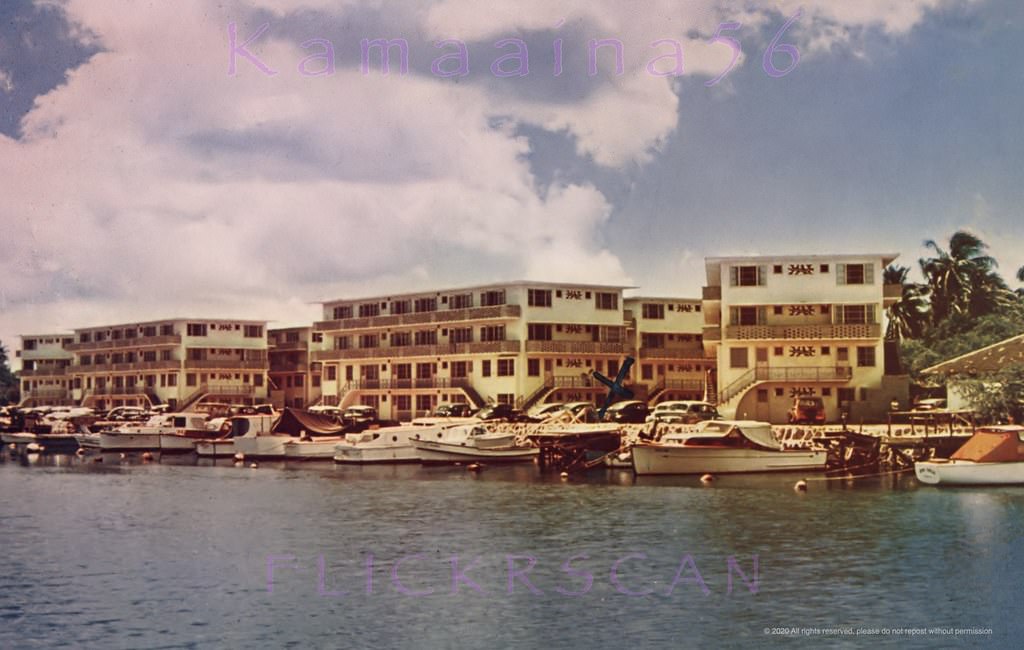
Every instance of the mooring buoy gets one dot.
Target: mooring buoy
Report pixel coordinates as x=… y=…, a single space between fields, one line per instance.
x=707 y=479
x=239 y=456
x=147 y=456
x=254 y=465
x=801 y=486
x=474 y=467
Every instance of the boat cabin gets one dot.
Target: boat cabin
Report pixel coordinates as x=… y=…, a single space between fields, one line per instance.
x=746 y=434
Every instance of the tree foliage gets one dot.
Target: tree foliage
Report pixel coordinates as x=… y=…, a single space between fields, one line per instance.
x=997 y=396
x=9 y=389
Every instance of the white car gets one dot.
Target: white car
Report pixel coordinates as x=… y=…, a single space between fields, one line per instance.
x=542 y=411
x=683 y=411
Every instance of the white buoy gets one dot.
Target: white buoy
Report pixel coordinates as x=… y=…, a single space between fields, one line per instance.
x=147 y=456
x=80 y=452
x=801 y=486
x=123 y=455
x=707 y=479
x=254 y=465
x=12 y=446
x=564 y=475
x=239 y=456
x=33 y=447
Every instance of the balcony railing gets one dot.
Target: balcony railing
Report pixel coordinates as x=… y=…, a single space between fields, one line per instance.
x=712 y=333
x=289 y=367
x=48 y=392
x=578 y=347
x=289 y=345
x=44 y=371
x=443 y=316
x=481 y=347
x=138 y=341
x=226 y=364
x=135 y=366
x=802 y=332
x=796 y=373
x=394 y=383
x=675 y=353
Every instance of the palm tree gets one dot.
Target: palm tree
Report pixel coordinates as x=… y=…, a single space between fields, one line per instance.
x=1020 y=278
x=908 y=315
x=962 y=280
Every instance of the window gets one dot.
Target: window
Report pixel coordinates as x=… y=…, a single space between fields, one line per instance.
x=865 y=356
x=845 y=395
x=492 y=298
x=738 y=358
x=604 y=300
x=777 y=310
x=342 y=342
x=400 y=339
x=426 y=337
x=646 y=372
x=761 y=354
x=403 y=402
x=506 y=367
x=863 y=394
x=533 y=367
x=318 y=337
x=314 y=380
x=369 y=341
x=84 y=337
x=506 y=398
x=855 y=273
x=402 y=370
x=492 y=333
x=826 y=392
x=460 y=369
x=425 y=304
x=538 y=297
x=825 y=350
x=762 y=395
x=461 y=335
x=485 y=368
x=344 y=311
x=843 y=354
x=149 y=331
x=748 y=315
x=653 y=310
x=369 y=309
x=190 y=379
x=777 y=269
x=538 y=332
x=823 y=268
x=854 y=314
x=779 y=392
x=253 y=331
x=460 y=301
x=196 y=329
x=652 y=340
x=400 y=307
x=424 y=402
x=747 y=276
x=425 y=370
x=777 y=351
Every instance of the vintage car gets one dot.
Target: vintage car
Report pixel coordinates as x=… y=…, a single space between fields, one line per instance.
x=807 y=409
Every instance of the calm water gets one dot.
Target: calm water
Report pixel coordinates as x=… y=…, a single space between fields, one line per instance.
x=171 y=554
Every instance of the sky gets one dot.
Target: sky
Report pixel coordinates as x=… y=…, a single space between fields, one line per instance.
x=149 y=169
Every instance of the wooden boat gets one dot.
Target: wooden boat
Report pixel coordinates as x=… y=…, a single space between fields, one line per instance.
x=388 y=444
x=468 y=443
x=723 y=447
x=993 y=456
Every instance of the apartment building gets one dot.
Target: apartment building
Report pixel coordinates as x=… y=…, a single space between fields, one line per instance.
x=786 y=326
x=294 y=378
x=669 y=349
x=518 y=343
x=44 y=365
x=178 y=362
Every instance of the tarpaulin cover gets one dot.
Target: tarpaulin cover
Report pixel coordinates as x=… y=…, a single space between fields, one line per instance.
x=991 y=447
x=294 y=422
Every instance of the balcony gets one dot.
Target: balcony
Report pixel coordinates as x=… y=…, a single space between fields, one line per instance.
x=139 y=341
x=444 y=316
x=289 y=345
x=225 y=364
x=448 y=349
x=47 y=392
x=675 y=353
x=45 y=371
x=289 y=367
x=797 y=374
x=711 y=293
x=167 y=364
x=578 y=347
x=802 y=332
x=712 y=333
x=394 y=383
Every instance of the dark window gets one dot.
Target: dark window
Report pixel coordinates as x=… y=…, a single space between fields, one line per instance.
x=653 y=310
x=538 y=297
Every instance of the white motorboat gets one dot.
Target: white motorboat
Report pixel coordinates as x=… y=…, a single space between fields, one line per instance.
x=168 y=432
x=723 y=447
x=254 y=430
x=311 y=448
x=993 y=456
x=386 y=444
x=467 y=443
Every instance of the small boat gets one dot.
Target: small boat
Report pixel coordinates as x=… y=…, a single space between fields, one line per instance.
x=384 y=445
x=169 y=432
x=993 y=456
x=723 y=447
x=311 y=447
x=255 y=430
x=466 y=443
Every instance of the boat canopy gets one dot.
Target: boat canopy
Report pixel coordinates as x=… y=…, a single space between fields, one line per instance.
x=993 y=445
x=294 y=422
x=759 y=433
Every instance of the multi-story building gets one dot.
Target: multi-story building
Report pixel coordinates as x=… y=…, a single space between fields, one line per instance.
x=44 y=364
x=177 y=362
x=518 y=343
x=294 y=379
x=669 y=350
x=786 y=326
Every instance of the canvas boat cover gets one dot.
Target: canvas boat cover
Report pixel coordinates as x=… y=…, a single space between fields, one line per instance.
x=759 y=433
x=993 y=445
x=294 y=422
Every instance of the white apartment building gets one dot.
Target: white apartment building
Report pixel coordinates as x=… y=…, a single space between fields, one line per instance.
x=671 y=362
x=44 y=364
x=294 y=378
x=785 y=326
x=178 y=362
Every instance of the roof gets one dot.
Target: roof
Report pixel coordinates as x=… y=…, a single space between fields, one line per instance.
x=201 y=319
x=711 y=263
x=493 y=285
x=987 y=359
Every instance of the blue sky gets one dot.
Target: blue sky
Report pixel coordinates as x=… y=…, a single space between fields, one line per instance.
x=142 y=181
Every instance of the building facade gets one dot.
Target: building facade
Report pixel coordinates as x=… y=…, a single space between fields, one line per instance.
x=44 y=369
x=668 y=347
x=178 y=362
x=294 y=378
x=786 y=326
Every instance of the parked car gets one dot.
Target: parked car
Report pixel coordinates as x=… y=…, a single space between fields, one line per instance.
x=359 y=415
x=683 y=412
x=498 y=412
x=546 y=410
x=931 y=404
x=627 y=412
x=807 y=410
x=456 y=410
x=324 y=409
x=127 y=414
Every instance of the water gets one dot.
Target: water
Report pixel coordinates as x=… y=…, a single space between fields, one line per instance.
x=126 y=554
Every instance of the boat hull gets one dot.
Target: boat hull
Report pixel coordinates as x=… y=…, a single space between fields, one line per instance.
x=315 y=449
x=662 y=459
x=440 y=452
x=129 y=441
x=267 y=447
x=215 y=448
x=175 y=443
x=968 y=472
x=365 y=455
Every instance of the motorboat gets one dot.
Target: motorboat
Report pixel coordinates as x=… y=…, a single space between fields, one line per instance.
x=384 y=445
x=994 y=455
x=169 y=432
x=311 y=448
x=723 y=447
x=251 y=435
x=468 y=443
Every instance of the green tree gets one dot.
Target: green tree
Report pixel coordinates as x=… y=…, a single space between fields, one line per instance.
x=963 y=279
x=908 y=316
x=9 y=387
x=996 y=396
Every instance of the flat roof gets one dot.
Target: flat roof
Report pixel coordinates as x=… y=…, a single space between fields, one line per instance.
x=205 y=319
x=493 y=285
x=987 y=359
x=45 y=336
x=794 y=257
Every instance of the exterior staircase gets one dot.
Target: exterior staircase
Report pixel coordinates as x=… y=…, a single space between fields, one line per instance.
x=538 y=395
